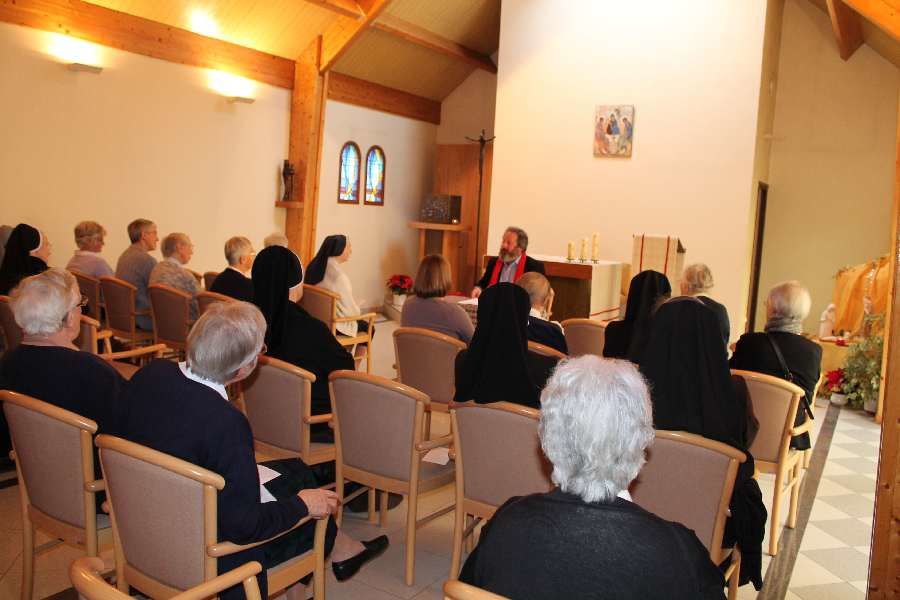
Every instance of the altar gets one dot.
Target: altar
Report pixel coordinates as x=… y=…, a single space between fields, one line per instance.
x=588 y=289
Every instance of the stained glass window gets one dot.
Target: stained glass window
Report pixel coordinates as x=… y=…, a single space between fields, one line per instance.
x=375 y=176
x=348 y=182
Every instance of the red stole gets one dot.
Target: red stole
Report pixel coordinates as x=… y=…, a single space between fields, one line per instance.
x=495 y=274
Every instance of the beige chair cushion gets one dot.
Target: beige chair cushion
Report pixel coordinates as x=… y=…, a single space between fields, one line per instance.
x=118 y=297
x=770 y=405
x=171 y=313
x=274 y=399
x=427 y=364
x=584 y=337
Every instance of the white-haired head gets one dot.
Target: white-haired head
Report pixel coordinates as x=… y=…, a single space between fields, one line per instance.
x=236 y=249
x=275 y=239
x=788 y=302
x=41 y=303
x=696 y=279
x=226 y=340
x=596 y=422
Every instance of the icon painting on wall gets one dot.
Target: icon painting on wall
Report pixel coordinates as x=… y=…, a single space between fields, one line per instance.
x=613 y=130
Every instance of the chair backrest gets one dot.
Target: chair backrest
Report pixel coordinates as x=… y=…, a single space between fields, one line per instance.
x=208 y=278
x=498 y=452
x=86 y=576
x=207 y=299
x=584 y=336
x=171 y=311
x=197 y=276
x=118 y=298
x=775 y=402
x=320 y=303
x=54 y=456
x=689 y=479
x=163 y=512
x=87 y=335
x=90 y=288
x=426 y=361
x=545 y=350
x=277 y=398
x=377 y=423
x=455 y=589
x=12 y=333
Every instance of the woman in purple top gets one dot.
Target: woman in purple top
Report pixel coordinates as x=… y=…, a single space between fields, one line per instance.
x=428 y=309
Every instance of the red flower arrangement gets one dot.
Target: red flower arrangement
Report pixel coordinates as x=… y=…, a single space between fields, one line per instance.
x=400 y=284
x=834 y=381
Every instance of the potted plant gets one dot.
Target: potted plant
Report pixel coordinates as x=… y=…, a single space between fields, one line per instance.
x=862 y=372
x=400 y=285
x=834 y=387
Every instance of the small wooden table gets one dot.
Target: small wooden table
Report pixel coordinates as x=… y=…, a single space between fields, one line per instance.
x=444 y=239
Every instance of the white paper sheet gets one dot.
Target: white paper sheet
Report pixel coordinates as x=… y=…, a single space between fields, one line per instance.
x=438 y=456
x=266 y=475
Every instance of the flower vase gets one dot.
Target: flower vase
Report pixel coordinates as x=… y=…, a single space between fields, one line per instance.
x=399 y=299
x=871 y=406
x=838 y=399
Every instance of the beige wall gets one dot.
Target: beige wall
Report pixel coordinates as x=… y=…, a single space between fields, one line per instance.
x=145 y=138
x=383 y=243
x=692 y=71
x=468 y=109
x=832 y=160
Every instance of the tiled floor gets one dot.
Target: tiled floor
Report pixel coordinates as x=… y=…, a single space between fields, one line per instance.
x=832 y=563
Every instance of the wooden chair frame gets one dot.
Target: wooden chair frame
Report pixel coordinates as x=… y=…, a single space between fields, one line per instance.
x=545 y=350
x=85 y=575
x=452 y=341
x=89 y=537
x=457 y=590
x=279 y=577
x=209 y=277
x=7 y=342
x=133 y=336
x=352 y=341
x=91 y=290
x=306 y=453
x=181 y=346
x=578 y=322
x=469 y=513
x=373 y=482
x=788 y=468
x=207 y=298
x=96 y=334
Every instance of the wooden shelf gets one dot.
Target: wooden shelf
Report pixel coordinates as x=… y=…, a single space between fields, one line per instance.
x=438 y=226
x=288 y=204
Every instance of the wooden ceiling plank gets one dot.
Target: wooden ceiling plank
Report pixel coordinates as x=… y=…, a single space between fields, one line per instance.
x=344 y=88
x=422 y=37
x=846 y=26
x=345 y=30
x=142 y=36
x=345 y=8
x=885 y=14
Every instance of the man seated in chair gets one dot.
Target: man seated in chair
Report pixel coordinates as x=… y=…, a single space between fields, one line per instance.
x=511 y=262
x=182 y=409
x=177 y=251
x=235 y=280
x=135 y=265
x=586 y=539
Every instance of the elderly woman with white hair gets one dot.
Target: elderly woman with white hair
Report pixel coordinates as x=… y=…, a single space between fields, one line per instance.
x=182 y=409
x=586 y=539
x=47 y=365
x=177 y=250
x=696 y=281
x=781 y=350
x=89 y=237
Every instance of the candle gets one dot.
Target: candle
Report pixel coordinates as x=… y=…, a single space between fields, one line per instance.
x=583 y=255
x=570 y=252
x=595 y=247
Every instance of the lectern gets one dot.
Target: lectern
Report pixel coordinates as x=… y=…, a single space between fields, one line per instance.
x=446 y=239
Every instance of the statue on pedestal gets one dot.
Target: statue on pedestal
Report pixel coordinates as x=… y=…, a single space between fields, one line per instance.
x=287 y=175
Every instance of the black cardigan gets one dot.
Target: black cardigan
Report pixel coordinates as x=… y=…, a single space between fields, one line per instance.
x=231 y=283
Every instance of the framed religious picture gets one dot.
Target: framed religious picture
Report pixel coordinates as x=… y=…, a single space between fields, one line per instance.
x=613 y=130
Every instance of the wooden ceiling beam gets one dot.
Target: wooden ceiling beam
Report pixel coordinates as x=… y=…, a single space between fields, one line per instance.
x=847 y=30
x=350 y=90
x=142 y=36
x=422 y=37
x=884 y=14
x=345 y=30
x=346 y=8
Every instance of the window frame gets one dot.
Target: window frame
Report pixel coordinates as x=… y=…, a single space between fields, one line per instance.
x=359 y=173
x=365 y=176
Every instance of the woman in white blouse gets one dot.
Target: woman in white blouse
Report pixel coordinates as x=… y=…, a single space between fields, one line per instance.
x=326 y=272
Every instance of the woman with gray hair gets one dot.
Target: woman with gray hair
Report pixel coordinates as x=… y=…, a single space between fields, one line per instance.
x=47 y=365
x=696 y=281
x=182 y=409
x=89 y=237
x=586 y=539
x=781 y=350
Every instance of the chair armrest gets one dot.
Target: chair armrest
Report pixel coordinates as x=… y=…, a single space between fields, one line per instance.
x=369 y=316
x=326 y=418
x=95 y=486
x=225 y=548
x=802 y=428
x=156 y=349
x=104 y=334
x=245 y=574
x=435 y=443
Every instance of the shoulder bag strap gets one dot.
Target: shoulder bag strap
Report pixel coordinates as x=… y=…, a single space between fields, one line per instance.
x=788 y=375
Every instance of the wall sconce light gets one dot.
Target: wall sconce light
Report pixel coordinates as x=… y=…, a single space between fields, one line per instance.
x=78 y=55
x=233 y=87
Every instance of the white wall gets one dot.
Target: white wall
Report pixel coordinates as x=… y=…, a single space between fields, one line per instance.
x=468 y=109
x=692 y=71
x=383 y=243
x=145 y=138
x=832 y=163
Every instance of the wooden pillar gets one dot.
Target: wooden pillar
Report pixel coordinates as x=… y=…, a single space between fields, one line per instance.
x=884 y=568
x=305 y=148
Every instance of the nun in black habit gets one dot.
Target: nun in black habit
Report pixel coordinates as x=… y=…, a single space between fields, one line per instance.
x=497 y=366
x=292 y=334
x=25 y=255
x=686 y=366
x=627 y=338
